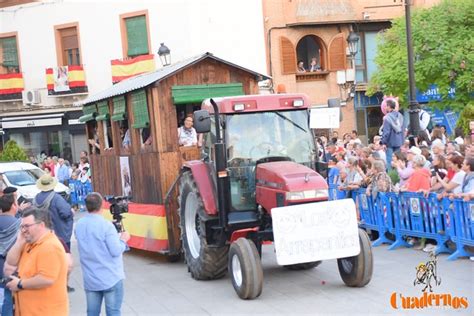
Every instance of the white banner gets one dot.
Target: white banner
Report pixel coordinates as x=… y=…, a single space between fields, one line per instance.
x=324 y=118
x=315 y=231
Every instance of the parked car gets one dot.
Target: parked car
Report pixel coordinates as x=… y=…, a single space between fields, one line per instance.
x=23 y=176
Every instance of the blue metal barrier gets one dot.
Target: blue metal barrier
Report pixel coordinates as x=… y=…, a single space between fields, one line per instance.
x=462 y=220
x=415 y=215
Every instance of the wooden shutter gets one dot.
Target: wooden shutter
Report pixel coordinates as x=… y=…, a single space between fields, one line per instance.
x=337 y=53
x=137 y=36
x=10 y=53
x=288 y=56
x=141 y=118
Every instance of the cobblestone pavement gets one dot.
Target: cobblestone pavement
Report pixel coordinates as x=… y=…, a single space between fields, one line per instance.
x=157 y=287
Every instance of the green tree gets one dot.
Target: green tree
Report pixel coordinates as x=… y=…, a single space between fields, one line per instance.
x=13 y=152
x=443 y=41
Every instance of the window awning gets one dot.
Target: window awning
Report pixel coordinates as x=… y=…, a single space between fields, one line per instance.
x=90 y=112
x=103 y=108
x=120 y=112
x=32 y=121
x=198 y=93
x=141 y=119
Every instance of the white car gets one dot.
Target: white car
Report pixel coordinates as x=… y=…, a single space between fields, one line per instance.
x=23 y=176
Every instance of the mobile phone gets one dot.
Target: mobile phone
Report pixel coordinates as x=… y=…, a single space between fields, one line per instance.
x=21 y=199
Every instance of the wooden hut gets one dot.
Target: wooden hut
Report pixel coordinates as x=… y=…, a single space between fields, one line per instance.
x=147 y=110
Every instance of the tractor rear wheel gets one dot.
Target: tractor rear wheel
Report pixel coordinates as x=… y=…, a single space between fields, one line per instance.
x=357 y=271
x=303 y=266
x=204 y=262
x=245 y=269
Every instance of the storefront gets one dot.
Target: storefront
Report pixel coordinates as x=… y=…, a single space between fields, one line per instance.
x=369 y=116
x=57 y=134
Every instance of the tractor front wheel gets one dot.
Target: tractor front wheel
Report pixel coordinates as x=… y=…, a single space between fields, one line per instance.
x=357 y=271
x=245 y=269
x=204 y=262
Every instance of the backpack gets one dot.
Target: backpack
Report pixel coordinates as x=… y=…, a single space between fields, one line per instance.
x=46 y=203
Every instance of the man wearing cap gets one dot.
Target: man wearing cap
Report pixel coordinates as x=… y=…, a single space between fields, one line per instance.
x=60 y=210
x=392 y=131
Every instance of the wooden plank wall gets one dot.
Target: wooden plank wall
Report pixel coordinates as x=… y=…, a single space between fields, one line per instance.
x=153 y=171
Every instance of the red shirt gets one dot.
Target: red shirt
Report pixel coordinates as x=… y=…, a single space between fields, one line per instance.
x=451 y=174
x=419 y=180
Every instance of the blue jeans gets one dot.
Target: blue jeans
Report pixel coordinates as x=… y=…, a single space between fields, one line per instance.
x=113 y=300
x=389 y=153
x=7 y=307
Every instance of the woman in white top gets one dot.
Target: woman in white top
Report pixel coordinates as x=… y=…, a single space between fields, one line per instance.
x=187 y=135
x=455 y=185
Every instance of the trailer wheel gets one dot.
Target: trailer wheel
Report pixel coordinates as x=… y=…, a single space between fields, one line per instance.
x=245 y=269
x=357 y=271
x=303 y=266
x=204 y=262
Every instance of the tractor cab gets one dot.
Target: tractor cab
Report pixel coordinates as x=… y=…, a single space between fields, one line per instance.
x=255 y=130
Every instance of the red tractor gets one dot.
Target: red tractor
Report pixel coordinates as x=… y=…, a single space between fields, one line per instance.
x=258 y=157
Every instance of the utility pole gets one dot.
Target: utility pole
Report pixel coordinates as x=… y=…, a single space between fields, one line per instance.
x=414 y=108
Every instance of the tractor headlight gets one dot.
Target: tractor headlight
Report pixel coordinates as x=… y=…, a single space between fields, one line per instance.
x=308 y=194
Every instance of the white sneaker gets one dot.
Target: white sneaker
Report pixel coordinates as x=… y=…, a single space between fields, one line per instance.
x=429 y=248
x=471 y=258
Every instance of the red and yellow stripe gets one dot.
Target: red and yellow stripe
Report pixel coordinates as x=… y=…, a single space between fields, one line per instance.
x=146 y=224
x=11 y=84
x=75 y=74
x=123 y=69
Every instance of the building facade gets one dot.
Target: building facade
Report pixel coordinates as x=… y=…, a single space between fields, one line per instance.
x=315 y=31
x=56 y=53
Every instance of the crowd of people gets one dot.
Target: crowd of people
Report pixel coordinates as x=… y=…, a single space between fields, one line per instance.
x=35 y=244
x=431 y=162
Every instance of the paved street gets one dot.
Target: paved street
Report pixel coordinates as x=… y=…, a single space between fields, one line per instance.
x=157 y=287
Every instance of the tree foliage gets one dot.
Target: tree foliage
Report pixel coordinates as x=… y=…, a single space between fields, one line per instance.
x=13 y=152
x=443 y=41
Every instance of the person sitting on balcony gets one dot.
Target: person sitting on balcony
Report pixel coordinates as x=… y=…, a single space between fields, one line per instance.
x=300 y=67
x=314 y=66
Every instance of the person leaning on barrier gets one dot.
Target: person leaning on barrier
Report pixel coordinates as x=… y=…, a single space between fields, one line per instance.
x=419 y=181
x=467 y=187
x=455 y=184
x=381 y=182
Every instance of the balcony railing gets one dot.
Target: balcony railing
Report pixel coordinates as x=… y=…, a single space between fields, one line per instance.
x=312 y=76
x=66 y=80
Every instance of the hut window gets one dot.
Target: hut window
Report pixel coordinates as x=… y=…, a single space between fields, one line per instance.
x=141 y=119
x=104 y=119
x=120 y=115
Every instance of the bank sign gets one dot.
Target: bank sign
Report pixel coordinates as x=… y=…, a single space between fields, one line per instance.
x=433 y=94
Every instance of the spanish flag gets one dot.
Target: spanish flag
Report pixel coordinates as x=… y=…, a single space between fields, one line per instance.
x=76 y=82
x=123 y=69
x=146 y=224
x=11 y=86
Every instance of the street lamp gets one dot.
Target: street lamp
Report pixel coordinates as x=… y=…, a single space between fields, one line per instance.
x=346 y=78
x=165 y=56
x=414 y=107
x=352 y=41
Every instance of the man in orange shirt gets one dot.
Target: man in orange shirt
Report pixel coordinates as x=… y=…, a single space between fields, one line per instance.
x=40 y=288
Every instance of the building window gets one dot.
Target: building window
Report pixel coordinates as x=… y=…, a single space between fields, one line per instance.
x=67 y=45
x=311 y=51
x=365 y=57
x=9 y=61
x=135 y=34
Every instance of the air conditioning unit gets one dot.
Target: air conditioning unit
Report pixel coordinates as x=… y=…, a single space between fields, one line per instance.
x=31 y=97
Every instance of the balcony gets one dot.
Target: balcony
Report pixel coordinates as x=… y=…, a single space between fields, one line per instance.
x=311 y=76
x=66 y=80
x=11 y=86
